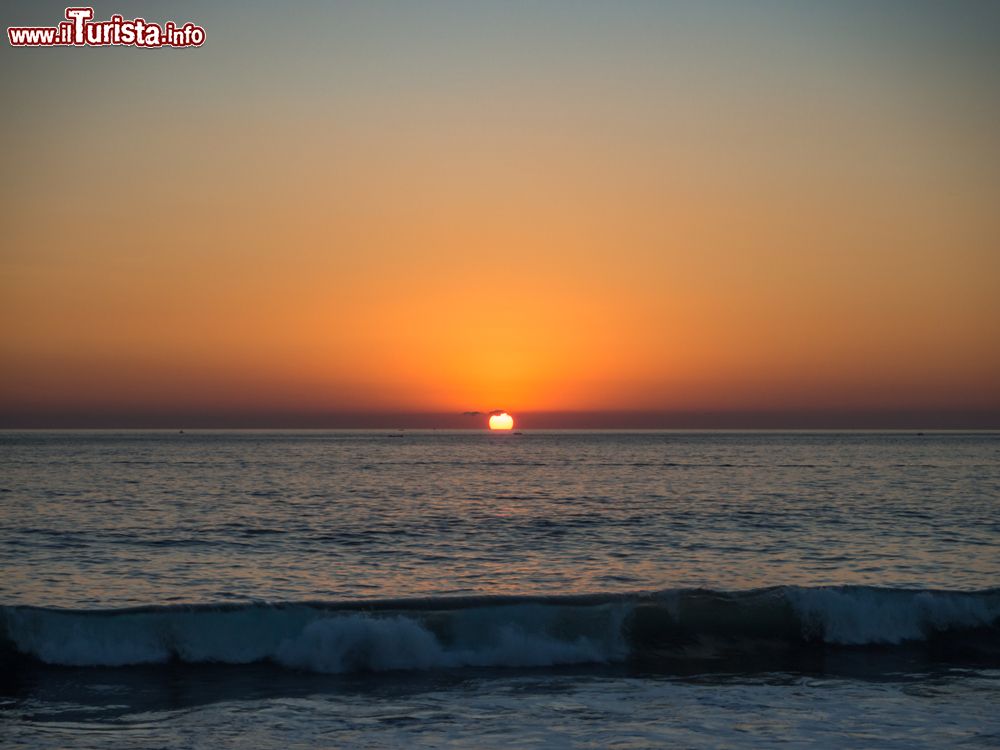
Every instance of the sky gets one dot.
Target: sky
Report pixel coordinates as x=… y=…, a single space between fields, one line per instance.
x=629 y=214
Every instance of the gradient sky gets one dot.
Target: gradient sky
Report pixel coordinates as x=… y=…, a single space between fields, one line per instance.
x=623 y=208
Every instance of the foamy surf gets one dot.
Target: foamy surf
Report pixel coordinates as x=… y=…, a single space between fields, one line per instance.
x=323 y=637
x=445 y=633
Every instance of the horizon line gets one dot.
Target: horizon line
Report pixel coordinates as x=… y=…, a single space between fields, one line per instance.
x=987 y=418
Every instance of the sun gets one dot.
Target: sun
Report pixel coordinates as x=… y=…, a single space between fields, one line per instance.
x=502 y=421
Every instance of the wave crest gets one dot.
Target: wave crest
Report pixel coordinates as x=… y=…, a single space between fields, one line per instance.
x=498 y=632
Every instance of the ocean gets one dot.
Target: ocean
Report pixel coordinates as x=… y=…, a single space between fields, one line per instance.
x=467 y=589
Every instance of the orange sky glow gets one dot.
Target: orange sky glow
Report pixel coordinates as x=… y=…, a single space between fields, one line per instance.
x=572 y=208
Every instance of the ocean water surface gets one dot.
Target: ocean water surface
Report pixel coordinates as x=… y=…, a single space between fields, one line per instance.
x=386 y=589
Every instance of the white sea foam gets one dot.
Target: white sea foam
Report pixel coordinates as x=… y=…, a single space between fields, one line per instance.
x=861 y=616
x=356 y=642
x=305 y=638
x=445 y=634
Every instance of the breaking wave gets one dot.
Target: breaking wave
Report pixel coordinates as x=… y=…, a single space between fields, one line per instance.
x=440 y=633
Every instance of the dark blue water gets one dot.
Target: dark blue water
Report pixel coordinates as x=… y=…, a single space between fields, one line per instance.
x=545 y=589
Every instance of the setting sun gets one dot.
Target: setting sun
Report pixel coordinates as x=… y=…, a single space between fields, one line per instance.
x=502 y=421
